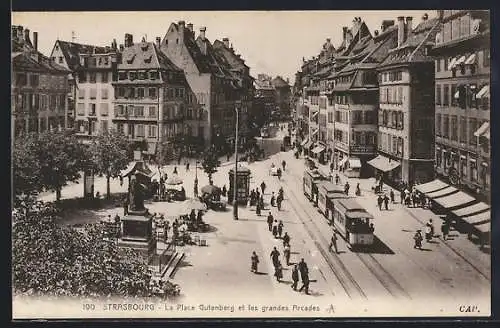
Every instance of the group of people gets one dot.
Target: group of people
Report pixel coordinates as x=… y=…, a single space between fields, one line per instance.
x=413 y=198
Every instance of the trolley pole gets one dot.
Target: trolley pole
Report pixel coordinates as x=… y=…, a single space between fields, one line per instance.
x=235 y=194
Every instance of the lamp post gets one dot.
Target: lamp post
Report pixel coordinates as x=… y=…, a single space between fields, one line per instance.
x=235 y=200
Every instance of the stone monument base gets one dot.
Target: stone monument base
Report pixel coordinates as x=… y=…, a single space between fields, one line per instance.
x=137 y=233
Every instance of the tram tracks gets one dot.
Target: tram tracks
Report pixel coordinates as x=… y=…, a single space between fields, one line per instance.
x=369 y=261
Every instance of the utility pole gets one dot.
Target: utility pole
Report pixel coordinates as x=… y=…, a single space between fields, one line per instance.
x=235 y=193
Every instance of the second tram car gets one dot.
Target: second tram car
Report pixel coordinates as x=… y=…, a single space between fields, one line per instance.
x=328 y=191
x=353 y=222
x=310 y=184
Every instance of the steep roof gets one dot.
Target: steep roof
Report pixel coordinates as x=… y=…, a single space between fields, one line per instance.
x=33 y=61
x=278 y=82
x=71 y=51
x=412 y=50
x=145 y=55
x=209 y=57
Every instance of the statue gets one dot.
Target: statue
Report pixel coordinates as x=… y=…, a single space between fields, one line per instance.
x=136 y=195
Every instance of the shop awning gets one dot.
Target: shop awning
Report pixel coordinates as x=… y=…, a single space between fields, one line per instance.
x=487 y=134
x=454 y=200
x=471 y=60
x=318 y=149
x=151 y=148
x=315 y=131
x=314 y=113
x=482 y=129
x=308 y=144
x=354 y=163
x=303 y=143
x=456 y=95
x=443 y=192
x=469 y=210
x=460 y=60
x=343 y=161
x=431 y=186
x=483 y=227
x=452 y=64
x=478 y=219
x=383 y=163
x=484 y=92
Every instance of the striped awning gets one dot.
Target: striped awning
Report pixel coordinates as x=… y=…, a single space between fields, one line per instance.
x=484 y=92
x=454 y=200
x=482 y=129
x=431 y=186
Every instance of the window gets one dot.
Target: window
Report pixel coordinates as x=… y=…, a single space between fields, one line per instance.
x=438 y=125
x=93 y=126
x=462 y=96
x=34 y=80
x=92 y=109
x=142 y=75
x=120 y=92
x=61 y=59
x=104 y=126
x=21 y=79
x=120 y=128
x=181 y=92
x=438 y=94
x=369 y=117
x=133 y=76
x=104 y=77
x=170 y=93
x=446 y=126
x=140 y=92
x=471 y=96
x=463 y=130
x=119 y=110
x=454 y=99
x=439 y=158
x=400 y=95
x=130 y=110
x=36 y=101
x=400 y=120
x=445 y=64
x=92 y=77
x=152 y=93
x=52 y=102
x=106 y=61
x=438 y=65
x=80 y=109
x=486 y=57
x=93 y=93
x=472 y=128
x=140 y=130
x=139 y=111
x=394 y=119
x=454 y=128
x=104 y=109
x=152 y=131
x=385 y=118
x=122 y=75
x=62 y=101
x=153 y=75
x=82 y=77
x=473 y=170
x=152 y=111
x=357 y=117
x=400 y=146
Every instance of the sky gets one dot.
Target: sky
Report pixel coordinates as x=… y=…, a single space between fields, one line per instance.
x=271 y=42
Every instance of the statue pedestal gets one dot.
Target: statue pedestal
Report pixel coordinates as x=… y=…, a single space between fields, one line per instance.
x=137 y=232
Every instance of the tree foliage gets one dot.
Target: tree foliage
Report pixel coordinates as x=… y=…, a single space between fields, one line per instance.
x=47 y=161
x=109 y=155
x=52 y=259
x=210 y=162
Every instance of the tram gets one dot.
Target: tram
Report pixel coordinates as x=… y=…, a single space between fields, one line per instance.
x=310 y=184
x=328 y=191
x=353 y=222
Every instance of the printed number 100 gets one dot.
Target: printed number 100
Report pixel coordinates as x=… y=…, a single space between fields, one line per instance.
x=88 y=307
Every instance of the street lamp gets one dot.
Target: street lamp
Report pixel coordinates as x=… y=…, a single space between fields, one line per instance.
x=235 y=200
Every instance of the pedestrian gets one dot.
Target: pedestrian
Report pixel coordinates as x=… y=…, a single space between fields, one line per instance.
x=279 y=200
x=331 y=167
x=358 y=190
x=286 y=239
x=270 y=220
x=257 y=209
x=286 y=253
x=255 y=261
x=175 y=169
x=275 y=228
x=273 y=200
x=432 y=227
x=283 y=164
x=279 y=173
x=187 y=166
x=228 y=156
x=192 y=215
x=295 y=277
x=337 y=179
x=224 y=191
x=445 y=229
x=346 y=188
x=263 y=187
x=261 y=202
x=380 y=200
x=418 y=240
x=125 y=206
x=333 y=242
x=280 y=192
x=280 y=228
x=402 y=196
x=121 y=181
x=391 y=194
x=275 y=255
x=305 y=284
x=386 y=202
x=278 y=271
x=303 y=269
x=428 y=232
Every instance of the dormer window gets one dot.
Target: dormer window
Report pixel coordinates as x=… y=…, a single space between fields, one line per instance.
x=153 y=75
x=130 y=58
x=144 y=46
x=133 y=76
x=147 y=59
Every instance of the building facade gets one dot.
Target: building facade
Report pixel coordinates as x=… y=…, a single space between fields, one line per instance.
x=151 y=94
x=462 y=81
x=406 y=112
x=39 y=88
x=282 y=96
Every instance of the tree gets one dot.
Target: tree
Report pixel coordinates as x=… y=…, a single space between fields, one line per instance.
x=25 y=165
x=61 y=158
x=210 y=163
x=51 y=259
x=109 y=154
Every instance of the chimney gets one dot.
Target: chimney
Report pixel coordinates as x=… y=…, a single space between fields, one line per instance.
x=202 y=32
x=344 y=32
x=113 y=44
x=27 y=36
x=409 y=27
x=425 y=17
x=35 y=40
x=190 y=27
x=401 y=30
x=328 y=40
x=375 y=32
x=121 y=47
x=226 y=42
x=158 y=41
x=182 y=24
x=20 y=32
x=129 y=40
